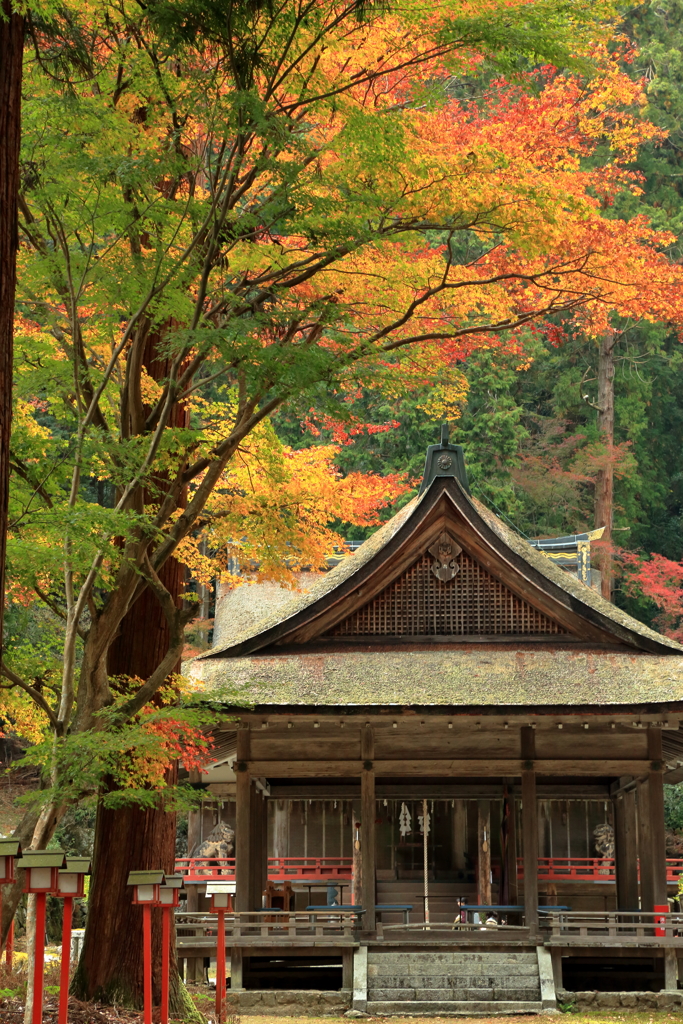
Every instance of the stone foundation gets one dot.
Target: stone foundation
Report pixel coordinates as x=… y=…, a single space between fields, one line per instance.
x=289 y=1003
x=625 y=1000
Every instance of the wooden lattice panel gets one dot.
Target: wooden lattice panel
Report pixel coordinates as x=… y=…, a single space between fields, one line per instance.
x=474 y=603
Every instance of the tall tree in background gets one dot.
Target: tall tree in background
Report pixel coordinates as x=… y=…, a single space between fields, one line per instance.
x=11 y=61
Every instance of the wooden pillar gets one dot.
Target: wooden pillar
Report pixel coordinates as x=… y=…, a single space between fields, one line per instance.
x=670 y=970
x=459 y=835
x=484 y=852
x=656 y=809
x=236 y=975
x=281 y=828
x=626 y=847
x=511 y=851
x=647 y=899
x=257 y=884
x=243 y=813
x=368 y=812
x=530 y=831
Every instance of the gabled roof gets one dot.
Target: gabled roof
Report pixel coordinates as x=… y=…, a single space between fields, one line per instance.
x=520 y=576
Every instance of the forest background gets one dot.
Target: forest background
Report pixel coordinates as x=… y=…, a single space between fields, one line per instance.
x=250 y=323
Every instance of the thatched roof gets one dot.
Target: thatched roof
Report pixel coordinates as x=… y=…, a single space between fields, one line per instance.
x=446 y=675
x=550 y=584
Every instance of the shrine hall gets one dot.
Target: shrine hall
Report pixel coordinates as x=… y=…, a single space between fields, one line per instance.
x=439 y=782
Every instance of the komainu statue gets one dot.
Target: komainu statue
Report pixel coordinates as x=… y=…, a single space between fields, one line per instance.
x=219 y=843
x=604 y=840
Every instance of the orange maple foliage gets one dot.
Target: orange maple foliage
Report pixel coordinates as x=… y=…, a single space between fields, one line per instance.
x=282 y=509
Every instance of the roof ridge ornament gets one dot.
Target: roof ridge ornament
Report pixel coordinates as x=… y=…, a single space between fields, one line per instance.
x=444 y=460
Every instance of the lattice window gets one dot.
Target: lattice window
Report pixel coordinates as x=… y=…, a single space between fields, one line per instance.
x=473 y=604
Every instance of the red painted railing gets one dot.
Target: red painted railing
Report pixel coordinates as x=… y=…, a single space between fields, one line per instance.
x=322 y=869
x=314 y=869
x=589 y=869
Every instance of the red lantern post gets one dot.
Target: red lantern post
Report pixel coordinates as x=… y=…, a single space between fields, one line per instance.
x=221 y=894
x=70 y=886
x=169 y=898
x=146 y=895
x=42 y=871
x=10 y=850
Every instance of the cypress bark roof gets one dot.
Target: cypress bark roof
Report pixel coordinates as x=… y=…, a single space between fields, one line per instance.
x=312 y=652
x=523 y=569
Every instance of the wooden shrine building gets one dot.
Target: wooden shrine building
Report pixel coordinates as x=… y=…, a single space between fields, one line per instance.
x=458 y=704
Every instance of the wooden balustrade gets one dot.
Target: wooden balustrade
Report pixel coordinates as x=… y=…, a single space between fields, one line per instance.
x=617 y=928
x=267 y=927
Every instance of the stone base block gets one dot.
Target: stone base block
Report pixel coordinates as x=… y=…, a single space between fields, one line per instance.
x=622 y=1000
x=289 y=1003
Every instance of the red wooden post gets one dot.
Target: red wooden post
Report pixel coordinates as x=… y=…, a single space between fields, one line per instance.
x=39 y=958
x=147 y=962
x=663 y=909
x=9 y=950
x=66 y=961
x=165 y=960
x=220 y=968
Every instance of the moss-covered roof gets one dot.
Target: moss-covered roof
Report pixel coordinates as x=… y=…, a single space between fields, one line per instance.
x=325 y=585
x=448 y=675
x=567 y=582
x=533 y=565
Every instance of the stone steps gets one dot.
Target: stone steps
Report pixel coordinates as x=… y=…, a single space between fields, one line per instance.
x=451 y=1007
x=453 y=981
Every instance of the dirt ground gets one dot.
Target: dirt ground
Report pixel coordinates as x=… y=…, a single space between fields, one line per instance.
x=81 y=1013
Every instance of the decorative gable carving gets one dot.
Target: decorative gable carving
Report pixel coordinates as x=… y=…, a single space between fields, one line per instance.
x=444 y=552
x=446 y=592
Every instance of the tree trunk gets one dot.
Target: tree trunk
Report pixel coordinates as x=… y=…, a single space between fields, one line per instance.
x=11 y=55
x=604 y=482
x=130 y=839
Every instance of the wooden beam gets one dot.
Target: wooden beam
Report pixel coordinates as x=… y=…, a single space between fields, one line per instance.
x=453 y=789
x=464 y=768
x=530 y=834
x=626 y=849
x=368 y=813
x=243 y=852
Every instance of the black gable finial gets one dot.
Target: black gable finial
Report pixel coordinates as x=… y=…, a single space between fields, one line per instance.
x=444 y=460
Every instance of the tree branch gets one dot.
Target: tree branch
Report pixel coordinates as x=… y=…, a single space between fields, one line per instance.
x=34 y=694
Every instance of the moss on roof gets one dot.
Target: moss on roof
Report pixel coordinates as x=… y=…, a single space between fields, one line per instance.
x=346 y=568
x=581 y=594
x=452 y=675
x=566 y=581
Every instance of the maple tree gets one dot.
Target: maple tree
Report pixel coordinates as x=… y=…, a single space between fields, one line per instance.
x=282 y=203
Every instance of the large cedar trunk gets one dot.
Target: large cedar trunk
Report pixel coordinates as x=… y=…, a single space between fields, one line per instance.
x=604 y=483
x=11 y=53
x=130 y=839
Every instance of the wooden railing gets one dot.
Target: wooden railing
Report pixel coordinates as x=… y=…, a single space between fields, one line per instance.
x=266 y=927
x=314 y=869
x=578 y=927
